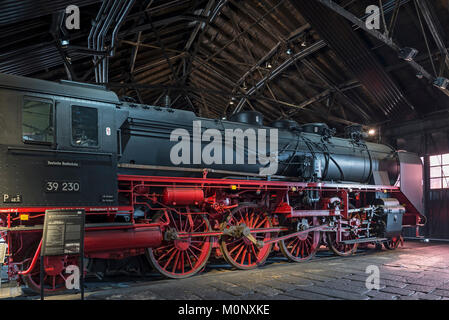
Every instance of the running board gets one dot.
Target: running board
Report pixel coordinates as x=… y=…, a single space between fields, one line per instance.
x=364 y=240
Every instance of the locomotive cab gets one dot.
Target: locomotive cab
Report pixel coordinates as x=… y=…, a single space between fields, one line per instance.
x=57 y=141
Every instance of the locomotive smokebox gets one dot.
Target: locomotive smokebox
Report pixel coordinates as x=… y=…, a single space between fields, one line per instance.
x=182 y=196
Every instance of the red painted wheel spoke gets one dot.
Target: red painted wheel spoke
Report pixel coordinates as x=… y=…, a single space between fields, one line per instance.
x=237 y=246
x=238 y=253
x=232 y=242
x=260 y=223
x=292 y=241
x=251 y=221
x=244 y=255
x=253 y=250
x=166 y=253
x=192 y=223
x=202 y=223
x=193 y=253
x=255 y=222
x=173 y=221
x=164 y=247
x=242 y=220
x=195 y=247
x=170 y=259
x=181 y=228
x=188 y=259
x=176 y=261
x=294 y=247
x=182 y=261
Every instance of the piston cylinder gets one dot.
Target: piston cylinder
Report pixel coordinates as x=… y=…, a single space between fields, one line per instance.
x=122 y=239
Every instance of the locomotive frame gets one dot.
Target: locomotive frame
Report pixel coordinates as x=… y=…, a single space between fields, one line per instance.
x=178 y=228
x=178 y=222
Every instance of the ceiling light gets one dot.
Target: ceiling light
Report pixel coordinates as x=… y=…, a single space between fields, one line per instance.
x=441 y=83
x=408 y=54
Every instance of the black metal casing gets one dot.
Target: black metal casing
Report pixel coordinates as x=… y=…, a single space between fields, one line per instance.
x=26 y=167
x=136 y=139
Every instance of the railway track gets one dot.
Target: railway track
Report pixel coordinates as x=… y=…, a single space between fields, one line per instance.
x=118 y=279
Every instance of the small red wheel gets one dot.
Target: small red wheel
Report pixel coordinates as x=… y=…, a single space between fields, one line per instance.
x=182 y=258
x=302 y=247
x=340 y=248
x=393 y=243
x=238 y=250
x=54 y=276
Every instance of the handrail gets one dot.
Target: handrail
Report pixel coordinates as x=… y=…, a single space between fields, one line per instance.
x=59 y=151
x=33 y=262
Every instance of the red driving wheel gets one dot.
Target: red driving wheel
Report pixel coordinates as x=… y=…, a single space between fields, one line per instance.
x=185 y=257
x=238 y=250
x=54 y=276
x=301 y=248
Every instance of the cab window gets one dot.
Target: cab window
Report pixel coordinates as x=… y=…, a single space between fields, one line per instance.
x=37 y=122
x=84 y=126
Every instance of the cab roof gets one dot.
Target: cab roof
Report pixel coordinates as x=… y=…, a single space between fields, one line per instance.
x=62 y=88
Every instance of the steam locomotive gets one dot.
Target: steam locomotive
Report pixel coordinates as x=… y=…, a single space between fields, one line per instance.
x=179 y=189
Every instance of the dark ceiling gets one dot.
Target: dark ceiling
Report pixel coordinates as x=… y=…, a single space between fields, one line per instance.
x=285 y=58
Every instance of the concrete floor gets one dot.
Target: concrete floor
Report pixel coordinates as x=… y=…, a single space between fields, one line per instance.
x=415 y=271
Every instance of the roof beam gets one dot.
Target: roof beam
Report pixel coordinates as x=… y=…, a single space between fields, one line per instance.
x=328 y=82
x=277 y=71
x=236 y=37
x=433 y=24
x=378 y=35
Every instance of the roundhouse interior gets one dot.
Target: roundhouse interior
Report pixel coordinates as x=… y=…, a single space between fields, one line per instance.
x=310 y=61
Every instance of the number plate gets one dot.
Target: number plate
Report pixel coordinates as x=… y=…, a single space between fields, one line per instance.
x=62 y=186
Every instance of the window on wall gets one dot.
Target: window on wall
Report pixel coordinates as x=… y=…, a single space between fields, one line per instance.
x=84 y=126
x=439 y=171
x=37 y=121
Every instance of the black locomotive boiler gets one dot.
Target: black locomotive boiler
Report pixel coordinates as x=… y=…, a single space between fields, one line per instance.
x=178 y=188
